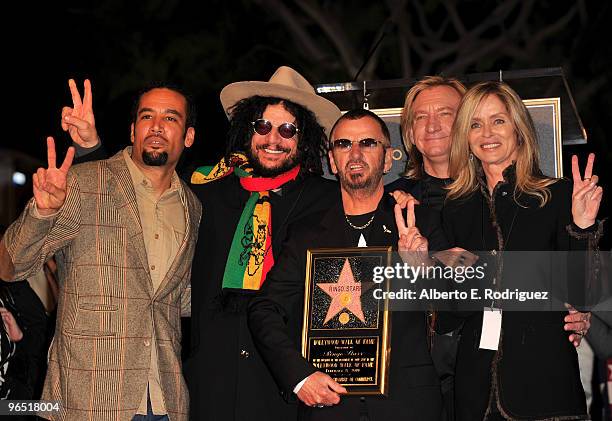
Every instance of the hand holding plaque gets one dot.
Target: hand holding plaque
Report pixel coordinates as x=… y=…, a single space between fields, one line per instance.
x=320 y=390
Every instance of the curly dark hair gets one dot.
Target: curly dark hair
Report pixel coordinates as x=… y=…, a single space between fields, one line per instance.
x=311 y=137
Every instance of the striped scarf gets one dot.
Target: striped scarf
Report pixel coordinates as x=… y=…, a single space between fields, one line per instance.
x=250 y=256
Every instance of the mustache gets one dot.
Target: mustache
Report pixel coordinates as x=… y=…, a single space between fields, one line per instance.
x=158 y=136
x=356 y=161
x=278 y=148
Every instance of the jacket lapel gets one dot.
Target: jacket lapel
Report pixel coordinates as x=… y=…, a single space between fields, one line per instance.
x=335 y=234
x=384 y=230
x=122 y=190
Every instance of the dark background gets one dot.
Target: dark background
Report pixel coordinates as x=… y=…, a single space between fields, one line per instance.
x=121 y=45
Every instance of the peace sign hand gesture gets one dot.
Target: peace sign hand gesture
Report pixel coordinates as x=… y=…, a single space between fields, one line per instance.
x=410 y=239
x=50 y=184
x=586 y=195
x=79 y=120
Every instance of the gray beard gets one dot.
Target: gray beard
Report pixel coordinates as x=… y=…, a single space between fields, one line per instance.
x=360 y=184
x=154 y=159
x=364 y=184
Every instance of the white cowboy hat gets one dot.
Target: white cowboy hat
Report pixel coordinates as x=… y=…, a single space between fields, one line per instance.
x=287 y=84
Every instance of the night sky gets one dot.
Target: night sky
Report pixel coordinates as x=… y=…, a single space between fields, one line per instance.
x=203 y=46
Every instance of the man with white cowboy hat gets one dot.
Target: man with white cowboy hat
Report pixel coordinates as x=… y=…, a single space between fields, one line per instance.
x=269 y=177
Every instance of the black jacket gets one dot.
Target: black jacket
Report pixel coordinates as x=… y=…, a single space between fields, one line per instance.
x=227 y=378
x=26 y=371
x=429 y=191
x=535 y=373
x=275 y=318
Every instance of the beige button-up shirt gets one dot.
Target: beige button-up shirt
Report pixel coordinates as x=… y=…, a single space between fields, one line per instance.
x=163 y=229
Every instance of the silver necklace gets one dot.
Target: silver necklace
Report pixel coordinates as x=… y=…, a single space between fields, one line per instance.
x=362 y=226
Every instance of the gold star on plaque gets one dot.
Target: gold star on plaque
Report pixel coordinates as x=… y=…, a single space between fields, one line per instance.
x=345 y=294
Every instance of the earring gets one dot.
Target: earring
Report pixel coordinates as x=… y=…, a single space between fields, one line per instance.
x=471 y=156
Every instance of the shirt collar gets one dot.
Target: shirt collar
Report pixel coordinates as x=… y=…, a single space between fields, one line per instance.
x=509 y=175
x=141 y=180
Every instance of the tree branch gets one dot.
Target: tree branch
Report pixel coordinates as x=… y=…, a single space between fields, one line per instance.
x=334 y=34
x=454 y=17
x=402 y=21
x=555 y=27
x=422 y=19
x=295 y=28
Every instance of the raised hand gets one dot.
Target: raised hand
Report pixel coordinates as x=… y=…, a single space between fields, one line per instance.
x=320 y=390
x=402 y=198
x=79 y=120
x=50 y=184
x=410 y=239
x=586 y=195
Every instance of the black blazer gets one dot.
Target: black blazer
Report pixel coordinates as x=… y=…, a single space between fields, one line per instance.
x=536 y=370
x=275 y=319
x=227 y=378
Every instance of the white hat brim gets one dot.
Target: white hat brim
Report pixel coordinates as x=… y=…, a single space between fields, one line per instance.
x=325 y=111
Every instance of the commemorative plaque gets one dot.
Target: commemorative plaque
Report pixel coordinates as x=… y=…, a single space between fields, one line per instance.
x=346 y=331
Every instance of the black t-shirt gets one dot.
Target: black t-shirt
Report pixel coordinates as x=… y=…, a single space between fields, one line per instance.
x=359 y=221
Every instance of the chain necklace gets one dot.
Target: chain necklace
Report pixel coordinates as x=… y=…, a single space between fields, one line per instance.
x=362 y=226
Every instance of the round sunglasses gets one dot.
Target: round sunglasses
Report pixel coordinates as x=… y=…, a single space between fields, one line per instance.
x=263 y=127
x=346 y=144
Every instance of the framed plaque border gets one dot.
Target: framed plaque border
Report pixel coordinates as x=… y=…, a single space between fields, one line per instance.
x=385 y=343
x=555 y=121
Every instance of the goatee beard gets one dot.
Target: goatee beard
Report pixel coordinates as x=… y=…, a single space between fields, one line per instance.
x=359 y=183
x=362 y=183
x=154 y=159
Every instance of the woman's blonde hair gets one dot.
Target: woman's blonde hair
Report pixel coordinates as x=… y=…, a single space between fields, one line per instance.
x=414 y=164
x=464 y=165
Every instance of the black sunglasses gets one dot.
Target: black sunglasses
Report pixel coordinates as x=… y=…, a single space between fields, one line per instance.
x=263 y=127
x=346 y=145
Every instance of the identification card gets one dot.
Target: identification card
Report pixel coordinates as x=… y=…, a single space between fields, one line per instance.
x=491 y=328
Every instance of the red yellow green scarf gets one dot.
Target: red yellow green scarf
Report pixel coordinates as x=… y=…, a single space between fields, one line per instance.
x=250 y=257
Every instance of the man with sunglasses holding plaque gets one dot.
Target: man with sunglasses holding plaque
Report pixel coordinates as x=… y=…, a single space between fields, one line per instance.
x=269 y=177
x=362 y=215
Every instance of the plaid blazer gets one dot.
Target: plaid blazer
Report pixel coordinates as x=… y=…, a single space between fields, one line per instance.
x=107 y=311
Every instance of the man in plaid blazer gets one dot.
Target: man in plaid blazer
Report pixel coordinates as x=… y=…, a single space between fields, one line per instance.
x=116 y=350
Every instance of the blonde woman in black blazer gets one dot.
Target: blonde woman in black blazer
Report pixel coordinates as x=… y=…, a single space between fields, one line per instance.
x=500 y=200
